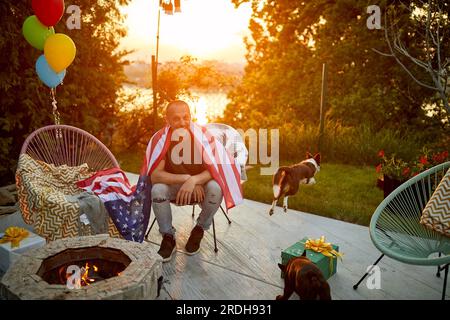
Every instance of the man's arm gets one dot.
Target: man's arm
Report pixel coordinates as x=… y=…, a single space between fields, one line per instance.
x=186 y=190
x=159 y=175
x=202 y=178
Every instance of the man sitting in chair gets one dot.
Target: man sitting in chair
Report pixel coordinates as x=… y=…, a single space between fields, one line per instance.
x=184 y=180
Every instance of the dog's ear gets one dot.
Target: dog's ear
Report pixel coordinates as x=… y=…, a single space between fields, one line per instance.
x=282 y=267
x=317 y=158
x=308 y=155
x=324 y=293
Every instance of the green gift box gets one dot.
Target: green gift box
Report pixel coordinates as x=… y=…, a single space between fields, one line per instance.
x=322 y=262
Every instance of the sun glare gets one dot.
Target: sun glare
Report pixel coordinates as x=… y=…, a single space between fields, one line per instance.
x=200 y=112
x=202 y=29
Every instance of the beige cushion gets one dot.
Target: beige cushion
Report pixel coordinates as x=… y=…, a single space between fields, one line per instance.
x=436 y=214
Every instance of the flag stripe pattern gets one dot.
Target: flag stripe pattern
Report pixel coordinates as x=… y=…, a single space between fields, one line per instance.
x=129 y=206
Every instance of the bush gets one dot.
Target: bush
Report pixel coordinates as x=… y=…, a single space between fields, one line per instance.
x=347 y=145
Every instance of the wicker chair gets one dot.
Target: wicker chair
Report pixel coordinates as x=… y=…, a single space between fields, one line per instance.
x=66 y=145
x=62 y=144
x=396 y=231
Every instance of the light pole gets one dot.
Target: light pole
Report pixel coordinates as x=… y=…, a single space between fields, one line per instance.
x=155 y=70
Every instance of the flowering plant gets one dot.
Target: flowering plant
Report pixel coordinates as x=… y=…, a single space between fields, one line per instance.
x=401 y=170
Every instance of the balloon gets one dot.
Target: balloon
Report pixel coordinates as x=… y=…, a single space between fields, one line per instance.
x=47 y=75
x=59 y=51
x=35 y=32
x=49 y=12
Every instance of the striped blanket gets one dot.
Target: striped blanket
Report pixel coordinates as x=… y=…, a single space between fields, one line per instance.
x=47 y=198
x=130 y=206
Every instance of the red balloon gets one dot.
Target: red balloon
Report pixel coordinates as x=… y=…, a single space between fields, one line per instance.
x=49 y=12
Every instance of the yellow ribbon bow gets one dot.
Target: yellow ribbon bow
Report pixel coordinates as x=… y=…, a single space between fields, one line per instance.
x=14 y=235
x=325 y=248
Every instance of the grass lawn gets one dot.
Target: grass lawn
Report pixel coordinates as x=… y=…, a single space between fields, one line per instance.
x=342 y=192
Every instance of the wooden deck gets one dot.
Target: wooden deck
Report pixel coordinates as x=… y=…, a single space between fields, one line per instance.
x=249 y=249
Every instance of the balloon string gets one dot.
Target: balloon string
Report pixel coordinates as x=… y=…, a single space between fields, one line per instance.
x=56 y=114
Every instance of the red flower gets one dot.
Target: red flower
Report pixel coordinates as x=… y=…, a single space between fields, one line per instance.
x=381 y=153
x=406 y=172
x=378 y=168
x=444 y=154
x=423 y=160
x=437 y=158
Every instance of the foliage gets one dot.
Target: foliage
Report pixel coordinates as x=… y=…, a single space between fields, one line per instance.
x=87 y=98
x=366 y=92
x=401 y=170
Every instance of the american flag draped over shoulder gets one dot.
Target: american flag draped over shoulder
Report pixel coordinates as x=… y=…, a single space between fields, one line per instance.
x=129 y=206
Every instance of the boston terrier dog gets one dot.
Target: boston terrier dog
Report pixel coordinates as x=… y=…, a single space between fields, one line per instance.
x=304 y=278
x=286 y=180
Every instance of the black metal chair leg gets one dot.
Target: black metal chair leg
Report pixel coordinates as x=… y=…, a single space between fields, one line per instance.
x=445 y=281
x=193 y=210
x=214 y=233
x=225 y=214
x=438 y=273
x=150 y=229
x=365 y=275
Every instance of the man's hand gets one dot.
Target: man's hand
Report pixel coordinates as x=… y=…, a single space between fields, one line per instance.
x=199 y=193
x=185 y=192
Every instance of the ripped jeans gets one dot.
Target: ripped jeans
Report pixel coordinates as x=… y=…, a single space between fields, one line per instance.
x=162 y=194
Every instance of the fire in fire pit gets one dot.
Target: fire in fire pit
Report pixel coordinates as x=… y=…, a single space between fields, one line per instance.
x=111 y=268
x=95 y=264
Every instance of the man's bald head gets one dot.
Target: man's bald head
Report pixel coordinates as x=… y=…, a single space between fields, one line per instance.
x=178 y=114
x=176 y=105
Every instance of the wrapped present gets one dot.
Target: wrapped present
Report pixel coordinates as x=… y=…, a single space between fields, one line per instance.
x=323 y=254
x=14 y=242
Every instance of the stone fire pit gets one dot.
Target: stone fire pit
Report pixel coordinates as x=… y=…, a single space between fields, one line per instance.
x=129 y=270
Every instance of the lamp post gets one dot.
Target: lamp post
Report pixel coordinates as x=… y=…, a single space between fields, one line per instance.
x=155 y=71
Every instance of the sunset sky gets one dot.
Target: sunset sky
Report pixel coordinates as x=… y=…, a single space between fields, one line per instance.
x=206 y=29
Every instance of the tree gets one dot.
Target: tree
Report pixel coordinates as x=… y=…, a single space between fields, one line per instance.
x=431 y=61
x=289 y=42
x=87 y=97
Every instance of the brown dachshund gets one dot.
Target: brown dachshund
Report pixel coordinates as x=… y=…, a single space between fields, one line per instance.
x=304 y=278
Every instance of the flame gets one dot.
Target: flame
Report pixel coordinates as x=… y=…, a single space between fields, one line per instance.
x=85 y=279
x=88 y=274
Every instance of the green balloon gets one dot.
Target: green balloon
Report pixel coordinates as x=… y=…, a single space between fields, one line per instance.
x=35 y=32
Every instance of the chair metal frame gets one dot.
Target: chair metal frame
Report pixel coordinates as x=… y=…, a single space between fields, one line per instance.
x=193 y=214
x=221 y=135
x=414 y=194
x=63 y=144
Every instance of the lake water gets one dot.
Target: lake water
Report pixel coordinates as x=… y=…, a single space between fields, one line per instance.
x=205 y=106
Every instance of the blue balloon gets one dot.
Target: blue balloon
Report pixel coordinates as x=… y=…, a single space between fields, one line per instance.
x=47 y=75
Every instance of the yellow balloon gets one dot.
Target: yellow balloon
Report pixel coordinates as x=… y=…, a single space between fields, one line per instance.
x=59 y=51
